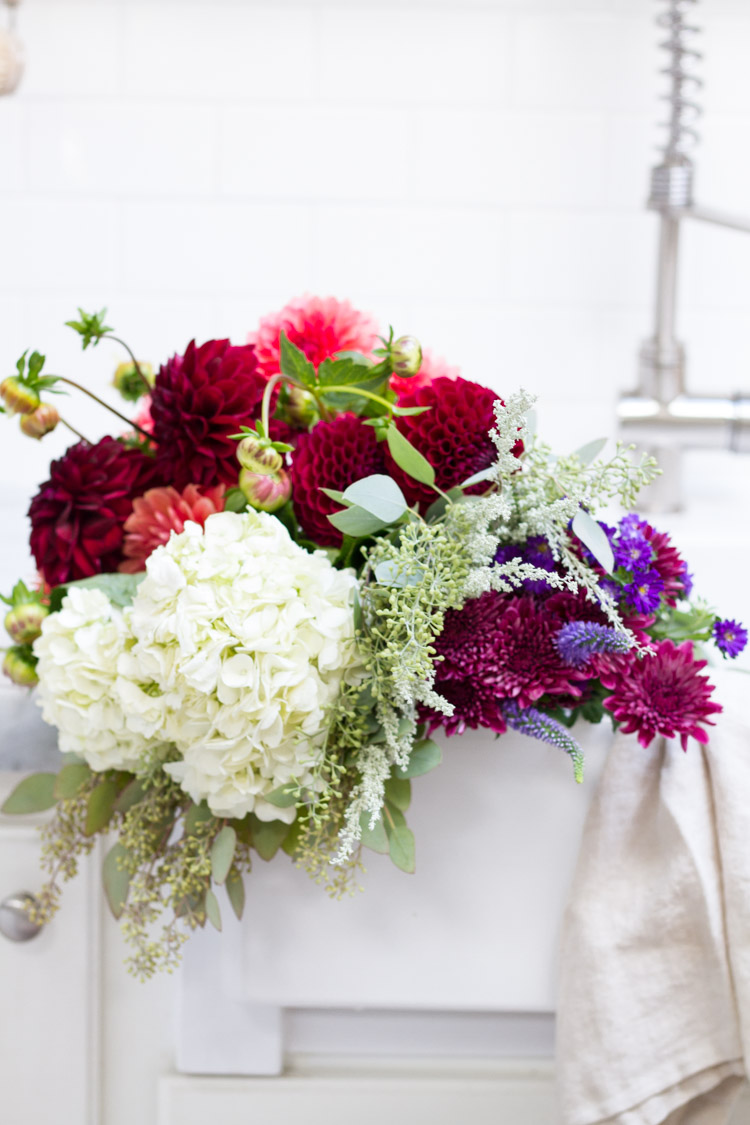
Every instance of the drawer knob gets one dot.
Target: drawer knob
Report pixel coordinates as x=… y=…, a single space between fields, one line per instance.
x=15 y=923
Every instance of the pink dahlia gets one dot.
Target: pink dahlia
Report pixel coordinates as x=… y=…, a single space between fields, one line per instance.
x=433 y=367
x=199 y=400
x=319 y=326
x=158 y=513
x=453 y=434
x=333 y=455
x=662 y=694
x=77 y=517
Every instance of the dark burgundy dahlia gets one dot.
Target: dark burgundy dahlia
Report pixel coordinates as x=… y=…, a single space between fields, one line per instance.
x=453 y=434
x=77 y=516
x=333 y=455
x=199 y=400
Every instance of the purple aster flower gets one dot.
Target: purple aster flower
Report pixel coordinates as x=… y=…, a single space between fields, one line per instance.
x=730 y=637
x=644 y=593
x=508 y=551
x=632 y=524
x=687 y=581
x=614 y=589
x=578 y=641
x=634 y=552
x=539 y=553
x=535 y=724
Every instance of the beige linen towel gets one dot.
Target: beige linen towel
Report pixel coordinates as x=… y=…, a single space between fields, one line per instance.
x=654 y=999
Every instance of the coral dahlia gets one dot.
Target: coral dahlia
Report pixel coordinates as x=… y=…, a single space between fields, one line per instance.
x=199 y=400
x=319 y=326
x=662 y=694
x=333 y=455
x=158 y=513
x=77 y=516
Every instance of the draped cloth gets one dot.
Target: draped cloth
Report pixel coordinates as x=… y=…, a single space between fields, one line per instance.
x=654 y=997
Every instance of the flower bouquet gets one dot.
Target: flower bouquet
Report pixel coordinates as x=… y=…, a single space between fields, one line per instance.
x=258 y=602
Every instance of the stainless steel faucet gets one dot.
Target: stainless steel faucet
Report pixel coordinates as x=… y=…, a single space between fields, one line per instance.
x=661 y=415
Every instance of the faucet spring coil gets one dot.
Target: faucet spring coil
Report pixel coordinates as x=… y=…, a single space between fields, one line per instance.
x=681 y=134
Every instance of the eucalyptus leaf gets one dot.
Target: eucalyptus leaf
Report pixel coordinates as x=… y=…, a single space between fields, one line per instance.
x=438 y=507
x=398 y=792
x=222 y=853
x=71 y=780
x=34 y=794
x=408 y=458
x=333 y=494
x=116 y=878
x=592 y=535
x=357 y=522
x=100 y=807
x=590 y=451
x=120 y=589
x=268 y=836
x=425 y=756
x=133 y=792
x=212 y=910
x=389 y=574
x=401 y=846
x=236 y=892
x=294 y=363
x=532 y=420
x=379 y=495
x=196 y=816
x=358 y=618
x=477 y=478
x=283 y=797
x=376 y=838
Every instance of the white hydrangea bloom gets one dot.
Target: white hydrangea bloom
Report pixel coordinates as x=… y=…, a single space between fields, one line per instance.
x=249 y=637
x=90 y=685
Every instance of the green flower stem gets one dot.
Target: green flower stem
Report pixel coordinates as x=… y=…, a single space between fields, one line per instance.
x=73 y=430
x=86 y=391
x=265 y=409
x=135 y=362
x=359 y=391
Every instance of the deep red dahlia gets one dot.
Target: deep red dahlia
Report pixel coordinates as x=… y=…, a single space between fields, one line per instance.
x=333 y=455
x=319 y=326
x=77 y=516
x=661 y=694
x=199 y=400
x=475 y=705
x=453 y=434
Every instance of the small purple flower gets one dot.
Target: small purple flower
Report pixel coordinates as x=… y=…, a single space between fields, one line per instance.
x=632 y=524
x=634 y=552
x=539 y=553
x=687 y=581
x=535 y=724
x=578 y=641
x=730 y=637
x=507 y=551
x=644 y=593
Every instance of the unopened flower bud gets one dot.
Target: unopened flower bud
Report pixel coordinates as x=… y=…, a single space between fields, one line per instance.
x=41 y=421
x=255 y=455
x=18 y=398
x=20 y=667
x=130 y=384
x=299 y=407
x=266 y=492
x=406 y=356
x=24 y=622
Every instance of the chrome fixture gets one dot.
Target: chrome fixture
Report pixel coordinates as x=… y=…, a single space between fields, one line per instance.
x=15 y=923
x=661 y=415
x=11 y=53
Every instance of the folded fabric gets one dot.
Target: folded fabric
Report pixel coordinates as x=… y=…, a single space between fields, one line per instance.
x=654 y=997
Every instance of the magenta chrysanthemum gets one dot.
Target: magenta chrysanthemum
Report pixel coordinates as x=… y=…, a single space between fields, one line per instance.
x=475 y=705
x=199 y=400
x=319 y=326
x=662 y=694
x=333 y=455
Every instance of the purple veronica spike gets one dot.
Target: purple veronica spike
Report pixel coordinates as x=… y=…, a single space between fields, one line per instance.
x=536 y=724
x=578 y=641
x=644 y=594
x=730 y=637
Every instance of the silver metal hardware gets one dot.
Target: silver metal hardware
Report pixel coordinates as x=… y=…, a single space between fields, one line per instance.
x=15 y=923
x=661 y=415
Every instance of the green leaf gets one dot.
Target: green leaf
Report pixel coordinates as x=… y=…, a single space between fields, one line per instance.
x=376 y=839
x=400 y=839
x=133 y=792
x=425 y=756
x=333 y=494
x=283 y=797
x=71 y=780
x=119 y=588
x=438 y=507
x=342 y=372
x=116 y=878
x=408 y=458
x=36 y=363
x=356 y=522
x=222 y=853
x=398 y=792
x=294 y=363
x=477 y=478
x=590 y=451
x=592 y=536
x=410 y=411
x=268 y=836
x=195 y=816
x=235 y=500
x=387 y=573
x=101 y=806
x=293 y=837
x=212 y=910
x=236 y=892
x=379 y=495
x=34 y=794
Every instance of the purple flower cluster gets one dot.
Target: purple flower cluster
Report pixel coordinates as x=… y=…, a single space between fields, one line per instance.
x=535 y=724
x=536 y=551
x=578 y=641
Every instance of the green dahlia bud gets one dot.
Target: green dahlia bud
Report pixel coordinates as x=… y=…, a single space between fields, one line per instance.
x=20 y=667
x=19 y=398
x=129 y=383
x=256 y=455
x=406 y=356
x=299 y=407
x=266 y=492
x=41 y=421
x=24 y=622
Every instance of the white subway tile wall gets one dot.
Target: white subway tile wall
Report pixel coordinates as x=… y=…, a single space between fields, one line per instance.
x=474 y=172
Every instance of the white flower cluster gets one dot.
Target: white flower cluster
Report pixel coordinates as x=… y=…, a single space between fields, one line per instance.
x=89 y=683
x=248 y=636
